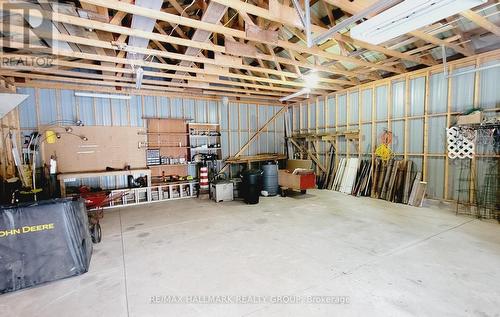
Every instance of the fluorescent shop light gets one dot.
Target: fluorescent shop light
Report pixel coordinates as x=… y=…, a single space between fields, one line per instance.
x=408 y=16
x=107 y=96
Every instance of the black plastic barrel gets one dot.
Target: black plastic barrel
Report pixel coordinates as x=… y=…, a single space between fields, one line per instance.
x=251 y=186
x=270 y=178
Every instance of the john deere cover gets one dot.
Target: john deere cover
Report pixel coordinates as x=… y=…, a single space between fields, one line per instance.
x=43 y=242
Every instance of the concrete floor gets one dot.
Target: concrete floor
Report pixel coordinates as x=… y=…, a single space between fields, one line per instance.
x=387 y=259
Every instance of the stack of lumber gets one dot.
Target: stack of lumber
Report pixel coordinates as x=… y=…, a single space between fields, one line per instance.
x=255 y=158
x=345 y=175
x=363 y=179
x=393 y=180
x=325 y=179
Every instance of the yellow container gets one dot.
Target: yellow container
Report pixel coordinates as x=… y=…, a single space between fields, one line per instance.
x=50 y=137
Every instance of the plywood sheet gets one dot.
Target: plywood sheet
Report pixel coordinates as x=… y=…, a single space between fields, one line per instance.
x=237 y=48
x=227 y=59
x=256 y=33
x=106 y=147
x=217 y=69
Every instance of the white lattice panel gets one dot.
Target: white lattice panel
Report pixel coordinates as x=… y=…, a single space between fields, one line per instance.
x=460 y=145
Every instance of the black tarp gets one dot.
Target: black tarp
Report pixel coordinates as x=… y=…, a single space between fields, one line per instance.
x=43 y=242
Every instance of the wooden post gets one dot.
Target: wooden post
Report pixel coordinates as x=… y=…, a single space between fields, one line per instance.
x=389 y=107
x=426 y=126
x=374 y=130
x=360 y=113
x=406 y=115
x=239 y=125
x=336 y=127
x=318 y=149
x=473 y=163
x=448 y=122
x=347 y=118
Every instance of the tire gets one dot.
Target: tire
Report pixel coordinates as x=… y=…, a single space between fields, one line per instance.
x=303 y=191
x=282 y=192
x=96 y=233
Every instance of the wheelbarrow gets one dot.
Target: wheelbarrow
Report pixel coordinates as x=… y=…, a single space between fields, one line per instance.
x=95 y=203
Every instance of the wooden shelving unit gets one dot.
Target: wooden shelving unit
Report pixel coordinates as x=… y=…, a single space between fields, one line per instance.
x=152 y=194
x=171 y=138
x=204 y=138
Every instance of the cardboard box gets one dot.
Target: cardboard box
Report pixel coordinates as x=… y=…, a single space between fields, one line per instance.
x=291 y=165
x=296 y=181
x=473 y=118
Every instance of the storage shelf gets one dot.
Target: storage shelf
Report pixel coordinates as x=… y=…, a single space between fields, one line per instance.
x=164 y=133
x=165 y=146
x=169 y=165
x=152 y=194
x=199 y=123
x=206 y=149
x=176 y=183
x=161 y=118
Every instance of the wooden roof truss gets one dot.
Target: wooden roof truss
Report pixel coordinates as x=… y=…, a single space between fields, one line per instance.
x=251 y=49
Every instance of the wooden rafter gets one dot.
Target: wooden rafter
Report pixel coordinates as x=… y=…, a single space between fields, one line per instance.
x=481 y=21
x=182 y=60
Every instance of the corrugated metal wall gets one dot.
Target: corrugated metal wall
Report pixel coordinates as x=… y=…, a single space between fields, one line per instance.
x=239 y=121
x=407 y=119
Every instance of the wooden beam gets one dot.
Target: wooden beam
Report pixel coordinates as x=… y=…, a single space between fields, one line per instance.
x=355 y=7
x=228 y=31
x=189 y=43
x=350 y=6
x=434 y=40
x=146 y=92
x=107 y=80
x=158 y=65
x=309 y=154
x=212 y=15
x=481 y=21
x=383 y=50
x=246 y=145
x=254 y=137
x=292 y=22
x=201 y=78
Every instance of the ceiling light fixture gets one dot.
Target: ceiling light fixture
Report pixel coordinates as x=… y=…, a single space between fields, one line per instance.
x=345 y=23
x=408 y=16
x=311 y=79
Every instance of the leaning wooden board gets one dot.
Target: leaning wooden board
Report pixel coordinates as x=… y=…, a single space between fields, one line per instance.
x=106 y=147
